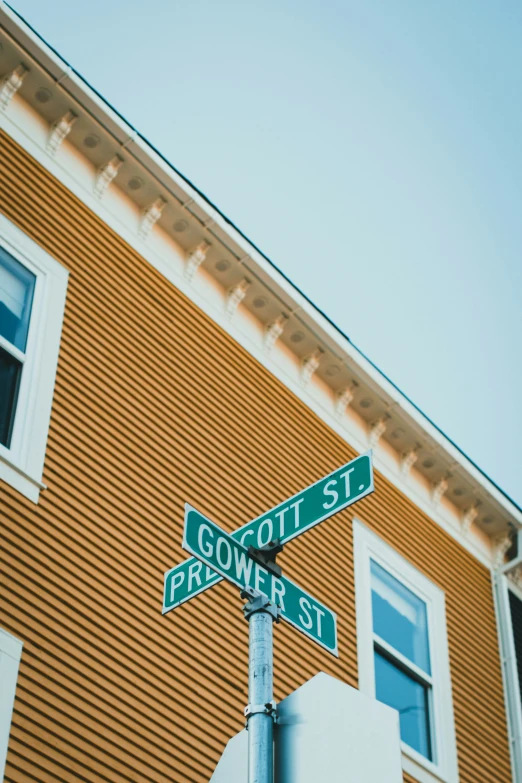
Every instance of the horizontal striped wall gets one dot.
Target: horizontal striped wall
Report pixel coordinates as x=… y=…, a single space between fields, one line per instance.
x=155 y=406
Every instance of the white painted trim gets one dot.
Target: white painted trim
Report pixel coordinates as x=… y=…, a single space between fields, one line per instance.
x=10 y=654
x=383 y=645
x=367 y=545
x=501 y=585
x=21 y=465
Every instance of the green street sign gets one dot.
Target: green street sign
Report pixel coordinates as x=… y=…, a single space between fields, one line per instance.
x=219 y=551
x=289 y=519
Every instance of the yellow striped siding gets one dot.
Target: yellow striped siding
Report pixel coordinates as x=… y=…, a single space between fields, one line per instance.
x=155 y=406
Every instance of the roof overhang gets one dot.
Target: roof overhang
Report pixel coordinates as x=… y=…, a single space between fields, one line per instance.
x=373 y=396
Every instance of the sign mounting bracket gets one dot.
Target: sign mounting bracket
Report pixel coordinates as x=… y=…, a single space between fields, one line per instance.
x=258 y=602
x=266 y=556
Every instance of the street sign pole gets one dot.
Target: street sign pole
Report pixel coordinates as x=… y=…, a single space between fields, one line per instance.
x=250 y=565
x=260 y=712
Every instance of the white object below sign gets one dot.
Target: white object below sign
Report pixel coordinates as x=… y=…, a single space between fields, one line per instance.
x=326 y=731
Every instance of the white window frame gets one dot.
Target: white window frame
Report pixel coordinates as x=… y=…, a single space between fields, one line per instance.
x=10 y=654
x=21 y=465
x=368 y=546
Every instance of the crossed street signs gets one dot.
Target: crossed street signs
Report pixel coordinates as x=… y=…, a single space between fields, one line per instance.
x=289 y=519
x=219 y=551
x=285 y=521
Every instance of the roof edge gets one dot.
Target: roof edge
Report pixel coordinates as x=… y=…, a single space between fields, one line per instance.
x=110 y=118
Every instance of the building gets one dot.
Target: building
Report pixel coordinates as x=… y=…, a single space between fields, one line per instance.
x=151 y=355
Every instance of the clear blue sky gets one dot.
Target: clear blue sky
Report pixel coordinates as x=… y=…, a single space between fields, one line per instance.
x=372 y=150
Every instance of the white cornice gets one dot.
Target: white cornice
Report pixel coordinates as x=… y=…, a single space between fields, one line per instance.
x=216 y=231
x=253 y=341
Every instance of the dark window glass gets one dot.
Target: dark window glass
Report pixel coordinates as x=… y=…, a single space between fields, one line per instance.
x=10 y=372
x=516 y=618
x=16 y=299
x=399 y=617
x=410 y=698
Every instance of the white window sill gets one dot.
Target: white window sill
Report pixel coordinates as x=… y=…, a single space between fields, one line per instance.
x=29 y=486
x=421 y=769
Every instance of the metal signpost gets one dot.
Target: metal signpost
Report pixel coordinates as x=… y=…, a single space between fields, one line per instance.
x=246 y=559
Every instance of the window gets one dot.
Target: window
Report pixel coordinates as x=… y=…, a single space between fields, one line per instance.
x=10 y=653
x=16 y=298
x=32 y=300
x=508 y=600
x=515 y=605
x=403 y=655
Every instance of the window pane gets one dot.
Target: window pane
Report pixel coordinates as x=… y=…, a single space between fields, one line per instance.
x=399 y=617
x=395 y=688
x=16 y=298
x=516 y=618
x=10 y=372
